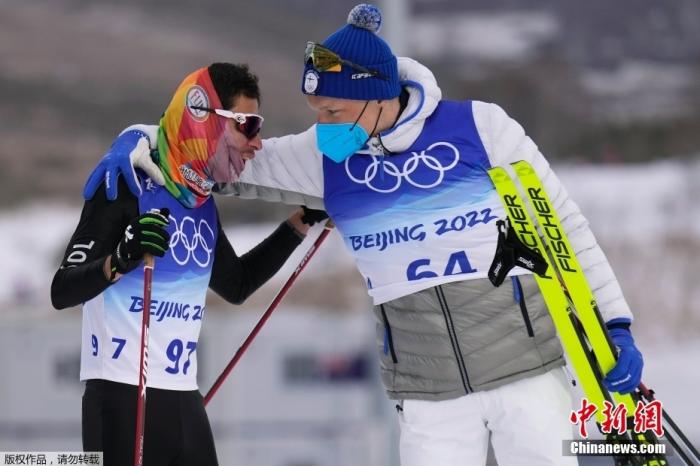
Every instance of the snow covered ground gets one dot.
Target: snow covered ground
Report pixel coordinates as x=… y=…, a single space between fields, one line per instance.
x=670 y=370
x=647 y=219
x=33 y=239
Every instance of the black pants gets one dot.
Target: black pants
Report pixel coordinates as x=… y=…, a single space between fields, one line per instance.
x=177 y=428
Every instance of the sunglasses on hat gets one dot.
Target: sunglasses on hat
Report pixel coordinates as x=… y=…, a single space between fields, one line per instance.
x=325 y=60
x=249 y=124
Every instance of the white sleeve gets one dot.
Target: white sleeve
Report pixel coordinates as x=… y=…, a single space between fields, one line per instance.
x=505 y=142
x=287 y=169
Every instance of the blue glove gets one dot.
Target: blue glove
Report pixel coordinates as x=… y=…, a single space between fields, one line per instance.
x=626 y=376
x=130 y=149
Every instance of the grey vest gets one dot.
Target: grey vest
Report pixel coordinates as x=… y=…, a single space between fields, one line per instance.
x=462 y=337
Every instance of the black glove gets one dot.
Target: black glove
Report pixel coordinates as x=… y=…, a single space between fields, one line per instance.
x=145 y=234
x=511 y=252
x=312 y=216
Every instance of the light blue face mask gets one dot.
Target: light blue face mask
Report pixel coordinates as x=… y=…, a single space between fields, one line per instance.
x=338 y=141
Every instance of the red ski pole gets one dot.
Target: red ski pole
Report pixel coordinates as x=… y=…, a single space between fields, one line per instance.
x=143 y=365
x=305 y=260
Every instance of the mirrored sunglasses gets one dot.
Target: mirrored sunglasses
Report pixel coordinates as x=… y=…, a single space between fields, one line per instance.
x=249 y=124
x=325 y=60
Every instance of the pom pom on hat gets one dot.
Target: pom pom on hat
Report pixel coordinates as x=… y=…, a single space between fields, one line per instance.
x=366 y=16
x=357 y=42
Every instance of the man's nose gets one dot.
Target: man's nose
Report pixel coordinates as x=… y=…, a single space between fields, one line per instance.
x=256 y=142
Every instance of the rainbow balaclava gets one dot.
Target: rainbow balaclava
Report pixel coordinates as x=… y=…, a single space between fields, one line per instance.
x=195 y=148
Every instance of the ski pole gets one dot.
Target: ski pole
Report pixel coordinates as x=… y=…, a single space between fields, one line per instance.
x=275 y=302
x=143 y=365
x=644 y=460
x=649 y=395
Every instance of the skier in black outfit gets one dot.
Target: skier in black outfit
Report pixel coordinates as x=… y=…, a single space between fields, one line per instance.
x=207 y=133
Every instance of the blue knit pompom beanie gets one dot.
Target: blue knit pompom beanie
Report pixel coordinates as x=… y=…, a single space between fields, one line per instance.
x=359 y=43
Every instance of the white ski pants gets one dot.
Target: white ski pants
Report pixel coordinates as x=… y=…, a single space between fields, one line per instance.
x=526 y=421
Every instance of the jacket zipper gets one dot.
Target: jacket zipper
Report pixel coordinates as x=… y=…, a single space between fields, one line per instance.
x=387 y=336
x=453 y=339
x=520 y=299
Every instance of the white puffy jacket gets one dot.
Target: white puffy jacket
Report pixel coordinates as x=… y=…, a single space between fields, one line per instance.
x=289 y=169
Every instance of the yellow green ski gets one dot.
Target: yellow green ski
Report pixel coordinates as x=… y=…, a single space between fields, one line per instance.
x=568 y=297
x=570 y=273
x=556 y=300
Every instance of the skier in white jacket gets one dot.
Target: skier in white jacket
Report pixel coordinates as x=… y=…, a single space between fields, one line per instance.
x=403 y=175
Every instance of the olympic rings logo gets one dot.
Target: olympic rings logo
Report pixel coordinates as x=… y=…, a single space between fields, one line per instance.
x=407 y=172
x=194 y=240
